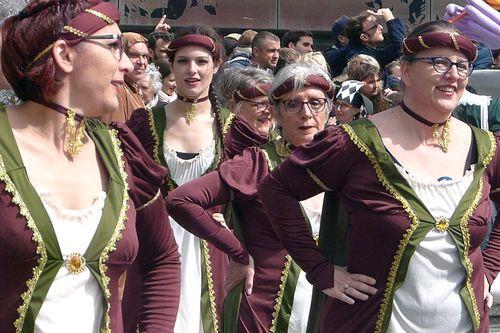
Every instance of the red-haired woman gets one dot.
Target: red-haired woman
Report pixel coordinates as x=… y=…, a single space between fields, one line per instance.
x=78 y=199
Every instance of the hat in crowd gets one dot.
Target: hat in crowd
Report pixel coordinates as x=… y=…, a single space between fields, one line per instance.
x=132 y=38
x=349 y=93
x=339 y=25
x=234 y=35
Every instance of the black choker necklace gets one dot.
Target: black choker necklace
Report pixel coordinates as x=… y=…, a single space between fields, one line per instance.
x=190 y=109
x=419 y=118
x=443 y=137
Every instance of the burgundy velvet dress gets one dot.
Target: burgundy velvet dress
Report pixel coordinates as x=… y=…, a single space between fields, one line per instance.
x=133 y=226
x=386 y=221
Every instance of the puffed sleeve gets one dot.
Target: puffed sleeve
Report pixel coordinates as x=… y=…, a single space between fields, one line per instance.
x=140 y=124
x=158 y=258
x=491 y=254
x=241 y=135
x=311 y=169
x=188 y=203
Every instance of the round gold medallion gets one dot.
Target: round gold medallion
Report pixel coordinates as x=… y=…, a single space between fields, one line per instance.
x=442 y=224
x=75 y=263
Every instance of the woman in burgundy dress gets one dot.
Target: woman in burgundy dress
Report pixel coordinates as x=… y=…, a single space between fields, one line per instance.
x=415 y=184
x=277 y=296
x=78 y=198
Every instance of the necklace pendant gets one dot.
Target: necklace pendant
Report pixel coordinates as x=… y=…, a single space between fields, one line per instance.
x=191 y=112
x=74 y=134
x=443 y=137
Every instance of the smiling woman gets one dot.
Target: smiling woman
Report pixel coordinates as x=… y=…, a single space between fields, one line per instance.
x=80 y=197
x=414 y=177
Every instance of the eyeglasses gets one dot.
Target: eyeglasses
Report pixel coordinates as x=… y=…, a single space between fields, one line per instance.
x=342 y=106
x=316 y=105
x=116 y=48
x=442 y=65
x=260 y=106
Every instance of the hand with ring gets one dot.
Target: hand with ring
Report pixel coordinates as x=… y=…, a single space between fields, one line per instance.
x=348 y=287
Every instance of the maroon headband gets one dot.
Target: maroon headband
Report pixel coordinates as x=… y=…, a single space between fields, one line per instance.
x=252 y=92
x=195 y=40
x=429 y=40
x=312 y=80
x=85 y=24
x=90 y=21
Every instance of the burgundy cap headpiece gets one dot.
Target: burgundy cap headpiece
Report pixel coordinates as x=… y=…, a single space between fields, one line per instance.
x=252 y=92
x=311 y=81
x=195 y=40
x=85 y=24
x=429 y=40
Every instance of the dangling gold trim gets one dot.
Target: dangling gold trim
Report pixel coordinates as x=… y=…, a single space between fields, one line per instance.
x=74 y=134
x=407 y=234
x=10 y=187
x=120 y=226
x=147 y=204
x=281 y=293
x=75 y=31
x=210 y=282
x=443 y=137
x=41 y=54
x=318 y=181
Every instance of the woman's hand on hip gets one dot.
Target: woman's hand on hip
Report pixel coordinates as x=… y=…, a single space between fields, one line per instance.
x=237 y=272
x=348 y=287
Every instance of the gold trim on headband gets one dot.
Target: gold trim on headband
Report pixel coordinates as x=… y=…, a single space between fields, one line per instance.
x=241 y=96
x=100 y=15
x=75 y=31
x=262 y=91
x=41 y=54
x=406 y=46
x=421 y=41
x=454 y=40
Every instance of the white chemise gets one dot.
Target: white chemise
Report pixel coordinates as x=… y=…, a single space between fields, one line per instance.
x=429 y=300
x=303 y=291
x=74 y=301
x=189 y=317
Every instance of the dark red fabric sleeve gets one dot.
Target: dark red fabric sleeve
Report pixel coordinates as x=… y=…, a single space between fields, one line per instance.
x=240 y=136
x=491 y=254
x=326 y=157
x=188 y=205
x=139 y=124
x=158 y=258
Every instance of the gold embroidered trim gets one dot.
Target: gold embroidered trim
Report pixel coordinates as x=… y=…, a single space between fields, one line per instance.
x=454 y=41
x=406 y=237
x=318 y=181
x=37 y=238
x=210 y=282
x=228 y=123
x=157 y=195
x=268 y=159
x=120 y=225
x=421 y=41
x=465 y=231
x=281 y=292
x=75 y=31
x=156 y=144
x=100 y=15
x=406 y=46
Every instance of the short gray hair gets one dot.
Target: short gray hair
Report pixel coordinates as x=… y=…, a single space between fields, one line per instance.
x=250 y=77
x=154 y=76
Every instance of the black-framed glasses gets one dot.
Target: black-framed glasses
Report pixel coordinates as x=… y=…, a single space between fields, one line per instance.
x=316 y=105
x=260 y=106
x=443 y=64
x=371 y=28
x=116 y=47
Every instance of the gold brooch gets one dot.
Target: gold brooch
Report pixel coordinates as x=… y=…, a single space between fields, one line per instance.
x=442 y=224
x=75 y=263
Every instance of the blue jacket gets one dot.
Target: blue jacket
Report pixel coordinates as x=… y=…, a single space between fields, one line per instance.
x=337 y=60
